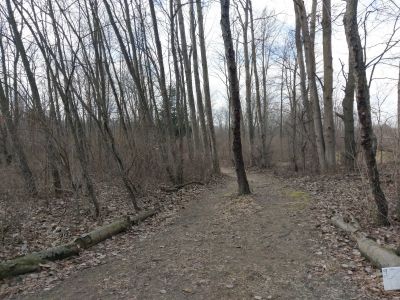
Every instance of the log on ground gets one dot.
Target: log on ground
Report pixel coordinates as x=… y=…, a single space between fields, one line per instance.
x=378 y=255
x=180 y=186
x=102 y=233
x=32 y=262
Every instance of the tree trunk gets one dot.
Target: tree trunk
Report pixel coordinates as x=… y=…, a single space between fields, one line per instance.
x=249 y=111
x=235 y=98
x=206 y=88
x=380 y=256
x=32 y=262
x=348 y=118
x=364 y=108
x=329 y=128
x=188 y=72
x=398 y=148
x=179 y=104
x=258 y=96
x=308 y=119
x=199 y=96
x=293 y=112
x=308 y=41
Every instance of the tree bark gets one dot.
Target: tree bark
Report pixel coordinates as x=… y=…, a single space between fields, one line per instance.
x=249 y=111
x=257 y=87
x=199 y=96
x=234 y=97
x=329 y=126
x=206 y=88
x=308 y=119
x=348 y=118
x=308 y=41
x=398 y=147
x=188 y=73
x=163 y=87
x=178 y=96
x=364 y=108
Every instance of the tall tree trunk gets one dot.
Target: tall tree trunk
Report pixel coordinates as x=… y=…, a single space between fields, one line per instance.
x=281 y=113
x=249 y=111
x=348 y=118
x=188 y=72
x=179 y=105
x=206 y=88
x=265 y=66
x=364 y=108
x=170 y=141
x=199 y=96
x=329 y=126
x=293 y=112
x=234 y=97
x=258 y=96
x=398 y=147
x=163 y=87
x=308 y=120
x=308 y=41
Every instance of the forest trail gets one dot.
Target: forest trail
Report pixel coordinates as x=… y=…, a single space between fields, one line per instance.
x=262 y=246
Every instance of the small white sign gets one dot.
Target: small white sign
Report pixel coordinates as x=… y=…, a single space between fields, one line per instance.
x=391 y=278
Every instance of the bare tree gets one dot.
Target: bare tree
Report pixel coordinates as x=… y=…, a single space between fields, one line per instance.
x=348 y=117
x=199 y=96
x=329 y=126
x=308 y=42
x=257 y=88
x=398 y=146
x=188 y=77
x=308 y=115
x=206 y=87
x=249 y=112
x=364 y=108
x=234 y=97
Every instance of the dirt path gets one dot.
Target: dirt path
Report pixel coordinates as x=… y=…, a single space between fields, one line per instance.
x=262 y=246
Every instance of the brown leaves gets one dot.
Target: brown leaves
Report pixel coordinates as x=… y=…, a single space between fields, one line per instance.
x=349 y=196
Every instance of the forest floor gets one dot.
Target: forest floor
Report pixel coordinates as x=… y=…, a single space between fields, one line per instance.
x=271 y=244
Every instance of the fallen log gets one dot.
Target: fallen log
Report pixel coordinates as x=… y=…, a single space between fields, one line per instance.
x=180 y=186
x=378 y=255
x=32 y=262
x=102 y=233
x=352 y=227
x=143 y=216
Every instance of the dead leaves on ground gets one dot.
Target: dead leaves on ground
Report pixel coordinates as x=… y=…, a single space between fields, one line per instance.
x=349 y=196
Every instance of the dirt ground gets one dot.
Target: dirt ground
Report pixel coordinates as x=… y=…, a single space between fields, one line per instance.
x=263 y=246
